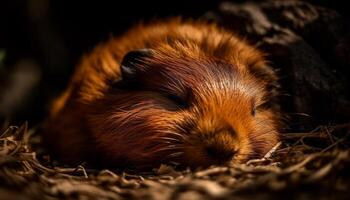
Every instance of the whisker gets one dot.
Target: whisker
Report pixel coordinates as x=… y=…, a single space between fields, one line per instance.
x=176 y=154
x=173 y=133
x=174 y=163
x=181 y=128
x=299 y=114
x=169 y=138
x=265 y=133
x=169 y=148
x=183 y=137
x=262 y=121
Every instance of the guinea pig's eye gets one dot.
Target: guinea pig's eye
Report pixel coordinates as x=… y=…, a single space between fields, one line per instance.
x=177 y=100
x=264 y=106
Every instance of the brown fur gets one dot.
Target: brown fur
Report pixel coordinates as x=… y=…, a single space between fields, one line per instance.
x=219 y=75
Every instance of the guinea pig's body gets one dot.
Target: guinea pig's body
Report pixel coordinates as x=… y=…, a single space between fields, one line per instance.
x=168 y=92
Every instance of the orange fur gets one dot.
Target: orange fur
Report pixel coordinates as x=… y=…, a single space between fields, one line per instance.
x=219 y=75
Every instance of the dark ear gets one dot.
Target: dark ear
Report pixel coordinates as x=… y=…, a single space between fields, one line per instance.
x=134 y=61
x=131 y=66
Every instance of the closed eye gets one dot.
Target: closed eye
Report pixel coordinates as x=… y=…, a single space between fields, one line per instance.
x=177 y=100
x=263 y=106
x=260 y=107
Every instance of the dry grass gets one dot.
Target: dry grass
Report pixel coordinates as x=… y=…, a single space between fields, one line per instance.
x=306 y=165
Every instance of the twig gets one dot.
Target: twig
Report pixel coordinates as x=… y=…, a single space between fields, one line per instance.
x=321 y=135
x=267 y=155
x=332 y=145
x=301 y=164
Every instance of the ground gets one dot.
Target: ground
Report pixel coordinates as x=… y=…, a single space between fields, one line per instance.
x=295 y=168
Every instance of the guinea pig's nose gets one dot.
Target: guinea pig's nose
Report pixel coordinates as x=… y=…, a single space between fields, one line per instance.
x=219 y=153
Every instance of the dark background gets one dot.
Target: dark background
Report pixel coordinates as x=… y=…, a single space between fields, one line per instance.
x=42 y=40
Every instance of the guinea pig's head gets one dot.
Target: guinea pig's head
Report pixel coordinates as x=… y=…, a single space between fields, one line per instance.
x=193 y=111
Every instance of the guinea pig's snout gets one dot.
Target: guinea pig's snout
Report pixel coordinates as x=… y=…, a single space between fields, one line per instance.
x=218 y=153
x=220 y=147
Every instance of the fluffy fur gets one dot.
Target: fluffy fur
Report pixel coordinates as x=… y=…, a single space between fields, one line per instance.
x=203 y=97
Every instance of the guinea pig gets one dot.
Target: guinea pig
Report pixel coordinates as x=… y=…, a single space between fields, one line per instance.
x=173 y=91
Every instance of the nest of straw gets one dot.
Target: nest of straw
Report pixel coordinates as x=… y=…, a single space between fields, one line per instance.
x=304 y=165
